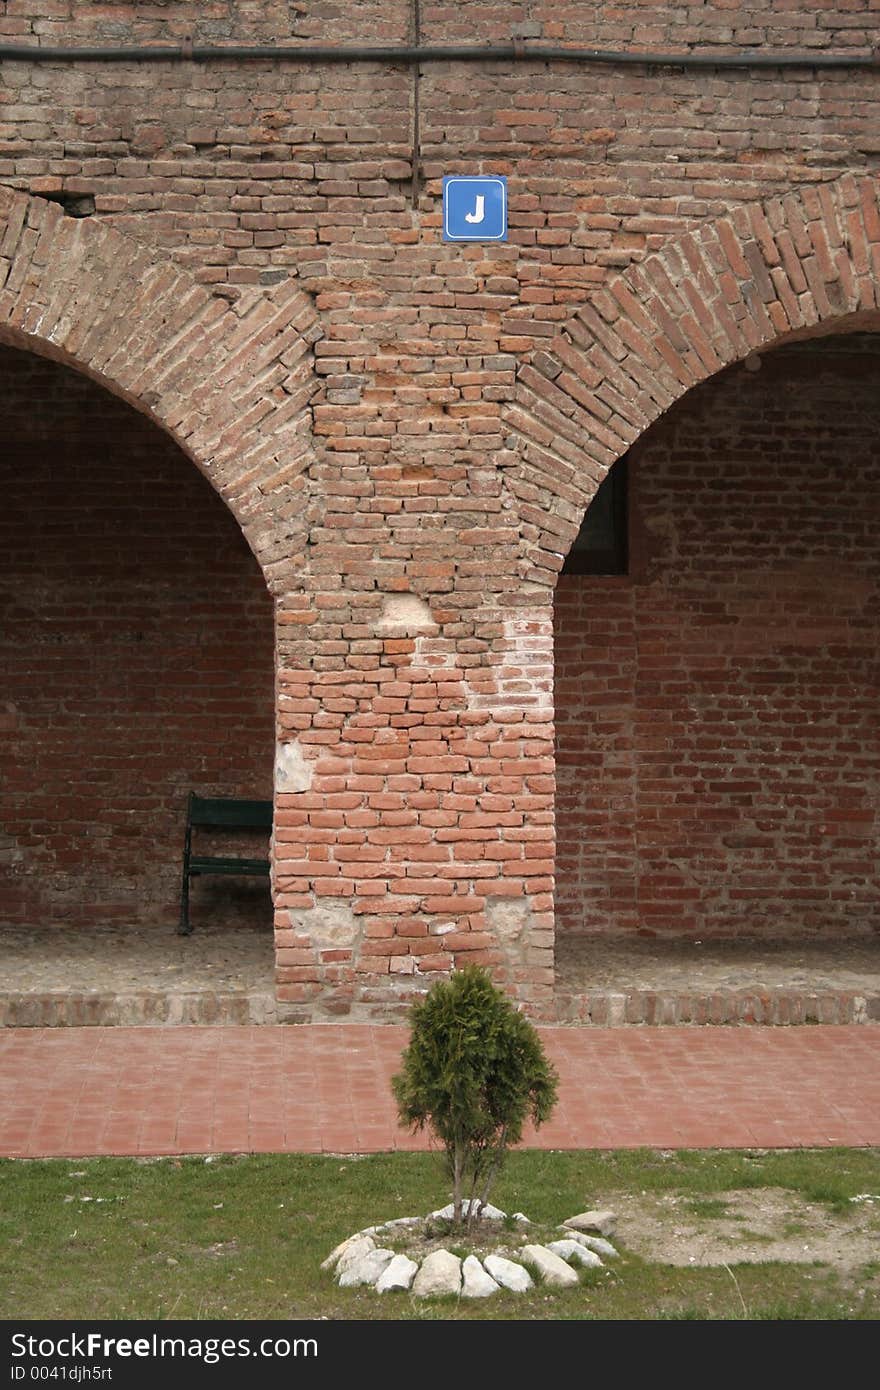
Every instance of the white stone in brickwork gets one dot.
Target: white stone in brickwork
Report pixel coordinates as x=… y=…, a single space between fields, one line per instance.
x=404 y=615
x=293 y=773
x=508 y=1273
x=346 y=1245
x=440 y=1273
x=476 y=1283
x=367 y=1269
x=571 y=1250
x=398 y=1274
x=600 y=1222
x=489 y=1212
x=552 y=1268
x=601 y=1247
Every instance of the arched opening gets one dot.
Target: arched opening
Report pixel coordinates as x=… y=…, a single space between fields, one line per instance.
x=137 y=651
x=718 y=734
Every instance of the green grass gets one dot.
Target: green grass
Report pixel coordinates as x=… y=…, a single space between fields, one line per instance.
x=242 y=1237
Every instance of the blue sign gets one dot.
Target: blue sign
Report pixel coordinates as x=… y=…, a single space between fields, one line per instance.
x=474 y=207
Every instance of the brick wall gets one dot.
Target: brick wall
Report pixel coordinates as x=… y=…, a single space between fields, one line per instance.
x=718 y=739
x=136 y=649
x=247 y=173
x=406 y=431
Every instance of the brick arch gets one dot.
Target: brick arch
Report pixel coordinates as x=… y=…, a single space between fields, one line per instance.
x=793 y=266
x=231 y=387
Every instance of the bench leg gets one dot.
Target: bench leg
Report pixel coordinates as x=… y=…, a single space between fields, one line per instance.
x=183 y=927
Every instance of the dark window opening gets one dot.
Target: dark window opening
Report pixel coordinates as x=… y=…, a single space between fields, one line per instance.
x=600 y=546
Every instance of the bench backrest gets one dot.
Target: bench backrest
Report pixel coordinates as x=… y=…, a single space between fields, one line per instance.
x=229 y=812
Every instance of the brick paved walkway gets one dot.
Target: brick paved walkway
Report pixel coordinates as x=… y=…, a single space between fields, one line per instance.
x=324 y=1088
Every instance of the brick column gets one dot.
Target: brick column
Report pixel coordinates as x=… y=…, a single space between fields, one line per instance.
x=414 y=822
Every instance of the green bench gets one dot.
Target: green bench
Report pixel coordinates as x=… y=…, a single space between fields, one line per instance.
x=219 y=814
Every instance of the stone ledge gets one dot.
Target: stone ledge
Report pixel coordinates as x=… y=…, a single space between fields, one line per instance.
x=104 y=1010
x=774 y=1007
x=595 y=1008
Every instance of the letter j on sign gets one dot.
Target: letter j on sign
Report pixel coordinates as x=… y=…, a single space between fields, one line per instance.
x=474 y=207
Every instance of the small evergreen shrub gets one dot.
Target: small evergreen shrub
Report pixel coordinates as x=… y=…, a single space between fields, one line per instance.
x=474 y=1071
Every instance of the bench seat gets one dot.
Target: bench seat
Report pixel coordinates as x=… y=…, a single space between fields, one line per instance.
x=227 y=866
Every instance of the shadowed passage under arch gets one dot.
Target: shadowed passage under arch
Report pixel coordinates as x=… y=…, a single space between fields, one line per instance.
x=137 y=652
x=717 y=726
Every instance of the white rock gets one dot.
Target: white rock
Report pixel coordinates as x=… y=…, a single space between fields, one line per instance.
x=508 y=1273
x=489 y=1212
x=476 y=1283
x=552 y=1268
x=360 y=1246
x=398 y=1274
x=399 y=1221
x=356 y=1245
x=601 y=1222
x=440 y=1272
x=367 y=1269
x=519 y=1216
x=601 y=1247
x=493 y=1213
x=572 y=1250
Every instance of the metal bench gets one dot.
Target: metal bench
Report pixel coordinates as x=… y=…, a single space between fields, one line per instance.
x=219 y=814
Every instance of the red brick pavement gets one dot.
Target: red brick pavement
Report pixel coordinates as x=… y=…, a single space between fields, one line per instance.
x=325 y=1088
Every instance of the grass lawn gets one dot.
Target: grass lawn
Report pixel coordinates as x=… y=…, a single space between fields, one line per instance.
x=242 y=1237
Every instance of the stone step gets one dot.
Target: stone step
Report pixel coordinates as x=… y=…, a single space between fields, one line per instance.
x=59 y=1009
x=602 y=1008
x=776 y=1006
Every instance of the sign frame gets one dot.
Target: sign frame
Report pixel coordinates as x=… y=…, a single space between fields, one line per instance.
x=462 y=191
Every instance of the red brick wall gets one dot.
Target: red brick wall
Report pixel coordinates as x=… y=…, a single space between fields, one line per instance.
x=249 y=172
x=136 y=651
x=718 y=736
x=391 y=417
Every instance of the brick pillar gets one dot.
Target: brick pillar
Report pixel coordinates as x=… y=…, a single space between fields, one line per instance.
x=414 y=821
